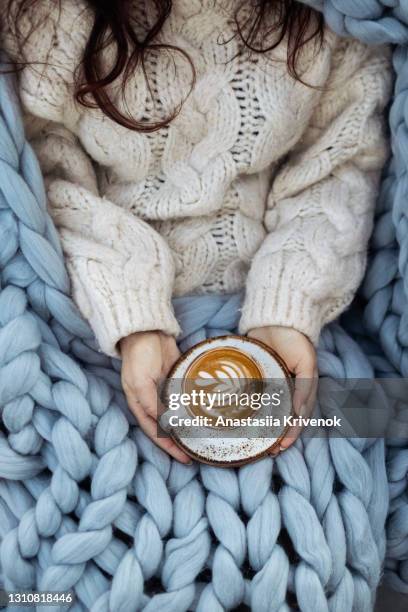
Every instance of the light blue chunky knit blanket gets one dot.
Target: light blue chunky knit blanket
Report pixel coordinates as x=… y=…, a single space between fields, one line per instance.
x=88 y=503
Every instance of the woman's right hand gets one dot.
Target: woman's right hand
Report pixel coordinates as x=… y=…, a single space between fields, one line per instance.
x=147 y=357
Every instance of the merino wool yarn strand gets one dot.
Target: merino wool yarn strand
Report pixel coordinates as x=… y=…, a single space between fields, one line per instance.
x=88 y=503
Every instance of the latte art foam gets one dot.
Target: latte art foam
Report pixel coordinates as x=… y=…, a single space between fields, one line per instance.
x=223 y=371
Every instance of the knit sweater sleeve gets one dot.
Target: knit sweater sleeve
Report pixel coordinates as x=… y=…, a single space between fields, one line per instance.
x=121 y=269
x=320 y=208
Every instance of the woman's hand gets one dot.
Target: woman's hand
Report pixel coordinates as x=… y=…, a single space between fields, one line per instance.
x=146 y=359
x=300 y=356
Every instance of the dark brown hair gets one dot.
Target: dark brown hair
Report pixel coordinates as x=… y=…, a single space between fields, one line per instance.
x=113 y=24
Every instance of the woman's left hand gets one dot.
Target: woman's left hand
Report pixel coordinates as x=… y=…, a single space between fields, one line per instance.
x=299 y=354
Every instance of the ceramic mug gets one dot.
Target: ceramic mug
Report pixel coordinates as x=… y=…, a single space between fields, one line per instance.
x=226 y=401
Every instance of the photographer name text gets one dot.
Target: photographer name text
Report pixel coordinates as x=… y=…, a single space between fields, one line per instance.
x=267 y=421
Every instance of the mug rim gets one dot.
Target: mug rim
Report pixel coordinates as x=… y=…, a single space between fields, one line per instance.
x=265 y=453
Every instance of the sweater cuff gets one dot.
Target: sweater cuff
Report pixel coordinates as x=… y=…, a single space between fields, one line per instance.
x=122 y=313
x=268 y=306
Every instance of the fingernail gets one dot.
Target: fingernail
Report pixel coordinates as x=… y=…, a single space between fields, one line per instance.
x=189 y=463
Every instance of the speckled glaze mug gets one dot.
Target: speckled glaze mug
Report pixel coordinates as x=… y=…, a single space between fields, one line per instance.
x=226 y=401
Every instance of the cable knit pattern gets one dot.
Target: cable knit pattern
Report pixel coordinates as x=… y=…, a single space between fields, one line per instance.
x=258 y=173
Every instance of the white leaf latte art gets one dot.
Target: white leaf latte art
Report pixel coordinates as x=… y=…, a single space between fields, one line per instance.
x=229 y=377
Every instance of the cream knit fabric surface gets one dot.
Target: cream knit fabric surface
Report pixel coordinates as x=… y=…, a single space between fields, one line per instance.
x=260 y=181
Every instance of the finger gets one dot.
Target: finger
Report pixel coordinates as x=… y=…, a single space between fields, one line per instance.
x=275 y=452
x=290 y=437
x=304 y=386
x=145 y=394
x=307 y=407
x=149 y=426
x=311 y=399
x=309 y=404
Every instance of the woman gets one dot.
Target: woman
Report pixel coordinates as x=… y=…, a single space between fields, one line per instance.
x=203 y=146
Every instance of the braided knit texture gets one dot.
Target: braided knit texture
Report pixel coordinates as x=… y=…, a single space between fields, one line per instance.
x=260 y=181
x=88 y=502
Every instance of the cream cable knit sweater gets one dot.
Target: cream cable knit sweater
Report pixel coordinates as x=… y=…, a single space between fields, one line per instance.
x=260 y=182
